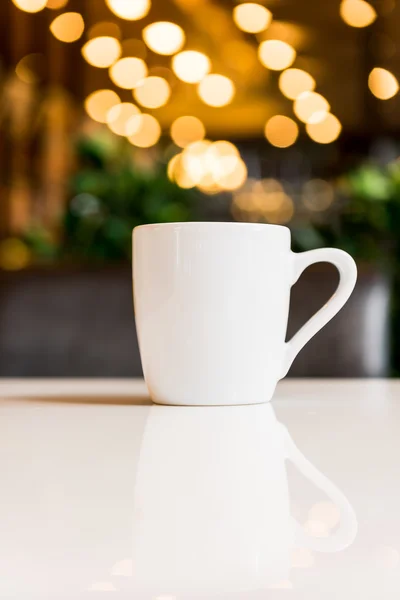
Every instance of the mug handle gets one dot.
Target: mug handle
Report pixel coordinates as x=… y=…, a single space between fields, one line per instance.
x=347 y=530
x=348 y=276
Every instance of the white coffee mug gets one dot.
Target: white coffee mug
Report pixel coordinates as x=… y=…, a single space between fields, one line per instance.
x=212 y=304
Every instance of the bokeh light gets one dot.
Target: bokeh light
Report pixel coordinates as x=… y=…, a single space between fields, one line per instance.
x=357 y=13
x=317 y=195
x=211 y=166
x=148 y=133
x=325 y=131
x=99 y=103
x=130 y=10
x=234 y=179
x=263 y=201
x=311 y=107
x=31 y=68
x=152 y=92
x=382 y=83
x=294 y=82
x=216 y=90
x=177 y=173
x=122 y=120
x=187 y=129
x=56 y=4
x=31 y=6
x=102 y=51
x=191 y=66
x=14 y=254
x=252 y=17
x=127 y=72
x=68 y=27
x=281 y=131
x=164 y=37
x=276 y=55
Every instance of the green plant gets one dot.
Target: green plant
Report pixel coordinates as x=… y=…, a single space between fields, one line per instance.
x=364 y=218
x=111 y=194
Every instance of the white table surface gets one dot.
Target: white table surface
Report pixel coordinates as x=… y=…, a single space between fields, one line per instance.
x=103 y=493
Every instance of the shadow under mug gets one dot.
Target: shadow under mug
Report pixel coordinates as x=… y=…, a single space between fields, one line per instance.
x=211 y=506
x=212 y=305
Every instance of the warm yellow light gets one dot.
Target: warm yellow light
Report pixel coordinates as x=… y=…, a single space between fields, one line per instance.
x=101 y=52
x=68 y=27
x=216 y=90
x=152 y=92
x=294 y=82
x=148 y=133
x=222 y=160
x=131 y=10
x=382 y=83
x=14 y=254
x=281 y=131
x=186 y=130
x=30 y=67
x=164 y=37
x=276 y=55
x=191 y=66
x=194 y=160
x=325 y=131
x=122 y=119
x=56 y=4
x=176 y=172
x=127 y=72
x=311 y=107
x=357 y=13
x=235 y=179
x=31 y=6
x=252 y=17
x=98 y=104
x=317 y=195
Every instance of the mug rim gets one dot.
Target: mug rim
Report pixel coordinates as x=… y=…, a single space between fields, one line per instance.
x=189 y=224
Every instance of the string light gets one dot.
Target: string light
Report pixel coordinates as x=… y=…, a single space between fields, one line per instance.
x=31 y=6
x=164 y=37
x=148 y=133
x=216 y=90
x=122 y=119
x=186 y=130
x=102 y=51
x=130 y=10
x=281 y=131
x=191 y=66
x=68 y=27
x=251 y=17
x=311 y=107
x=276 y=55
x=325 y=131
x=294 y=82
x=357 y=13
x=127 y=72
x=382 y=83
x=152 y=92
x=99 y=103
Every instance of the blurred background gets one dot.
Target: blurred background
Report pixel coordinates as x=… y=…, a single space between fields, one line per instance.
x=116 y=113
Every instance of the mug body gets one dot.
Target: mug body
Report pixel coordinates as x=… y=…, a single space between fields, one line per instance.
x=211 y=304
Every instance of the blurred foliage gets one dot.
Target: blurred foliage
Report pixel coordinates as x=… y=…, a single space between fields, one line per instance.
x=110 y=194
x=364 y=219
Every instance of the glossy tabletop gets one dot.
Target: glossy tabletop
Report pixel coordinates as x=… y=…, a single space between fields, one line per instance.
x=104 y=494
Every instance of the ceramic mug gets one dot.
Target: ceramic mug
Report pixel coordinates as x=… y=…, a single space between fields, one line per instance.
x=212 y=305
x=211 y=511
